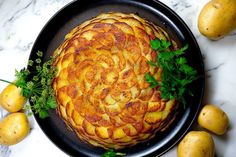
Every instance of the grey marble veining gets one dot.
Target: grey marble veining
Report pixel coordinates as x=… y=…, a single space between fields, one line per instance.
x=22 y=20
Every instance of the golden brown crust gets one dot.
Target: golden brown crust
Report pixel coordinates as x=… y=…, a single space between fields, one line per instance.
x=100 y=87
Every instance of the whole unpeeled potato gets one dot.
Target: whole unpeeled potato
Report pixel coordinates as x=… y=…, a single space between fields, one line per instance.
x=196 y=144
x=217 y=18
x=13 y=128
x=214 y=119
x=11 y=98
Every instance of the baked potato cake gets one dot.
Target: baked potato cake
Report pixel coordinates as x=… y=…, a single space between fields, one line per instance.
x=100 y=87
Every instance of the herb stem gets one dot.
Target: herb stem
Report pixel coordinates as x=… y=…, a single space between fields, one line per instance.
x=7 y=81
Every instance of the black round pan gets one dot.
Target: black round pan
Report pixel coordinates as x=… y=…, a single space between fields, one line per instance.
x=79 y=11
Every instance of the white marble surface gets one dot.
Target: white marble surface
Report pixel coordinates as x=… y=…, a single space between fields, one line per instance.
x=22 y=20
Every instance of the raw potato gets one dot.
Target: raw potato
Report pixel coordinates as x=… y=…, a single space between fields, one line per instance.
x=217 y=18
x=213 y=119
x=13 y=128
x=11 y=98
x=196 y=144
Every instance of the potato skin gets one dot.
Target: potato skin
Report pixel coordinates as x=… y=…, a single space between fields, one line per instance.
x=214 y=119
x=217 y=18
x=196 y=144
x=11 y=99
x=13 y=128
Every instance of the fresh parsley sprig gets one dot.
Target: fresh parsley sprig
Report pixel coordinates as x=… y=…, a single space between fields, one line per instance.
x=112 y=153
x=151 y=80
x=176 y=75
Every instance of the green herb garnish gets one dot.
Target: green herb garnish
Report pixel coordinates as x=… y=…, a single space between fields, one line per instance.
x=151 y=80
x=36 y=85
x=112 y=153
x=176 y=75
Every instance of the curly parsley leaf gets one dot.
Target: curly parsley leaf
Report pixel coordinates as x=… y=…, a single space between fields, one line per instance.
x=112 y=153
x=159 y=45
x=151 y=80
x=176 y=75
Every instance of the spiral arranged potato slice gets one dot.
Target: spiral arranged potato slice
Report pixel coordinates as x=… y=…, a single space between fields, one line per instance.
x=100 y=86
